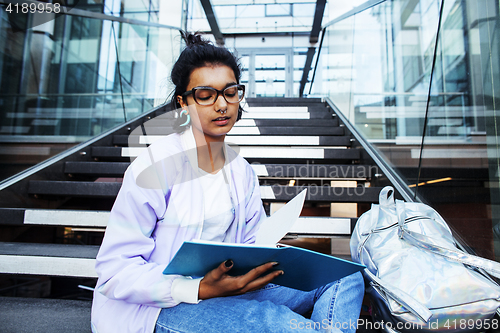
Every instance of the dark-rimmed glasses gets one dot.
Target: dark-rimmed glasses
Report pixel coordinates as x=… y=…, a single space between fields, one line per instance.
x=208 y=95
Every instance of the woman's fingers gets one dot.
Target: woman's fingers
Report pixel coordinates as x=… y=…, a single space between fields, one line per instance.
x=218 y=283
x=257 y=272
x=222 y=269
x=262 y=281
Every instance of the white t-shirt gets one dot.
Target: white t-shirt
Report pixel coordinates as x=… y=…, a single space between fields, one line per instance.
x=219 y=215
x=217 y=206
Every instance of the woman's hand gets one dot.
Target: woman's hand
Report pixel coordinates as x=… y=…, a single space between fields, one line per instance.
x=218 y=283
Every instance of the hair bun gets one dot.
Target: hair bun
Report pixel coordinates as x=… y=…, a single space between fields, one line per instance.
x=193 y=39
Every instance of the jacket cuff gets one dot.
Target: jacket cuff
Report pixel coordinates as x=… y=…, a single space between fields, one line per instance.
x=185 y=290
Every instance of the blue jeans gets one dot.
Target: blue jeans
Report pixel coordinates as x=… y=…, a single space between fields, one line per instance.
x=335 y=308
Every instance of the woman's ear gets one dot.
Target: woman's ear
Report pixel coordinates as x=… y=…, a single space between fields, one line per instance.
x=181 y=102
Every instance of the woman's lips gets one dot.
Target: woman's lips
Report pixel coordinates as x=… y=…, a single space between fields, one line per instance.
x=221 y=121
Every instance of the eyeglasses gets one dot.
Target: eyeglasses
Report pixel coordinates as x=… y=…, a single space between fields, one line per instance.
x=208 y=95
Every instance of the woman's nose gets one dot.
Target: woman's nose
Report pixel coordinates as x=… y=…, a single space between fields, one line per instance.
x=220 y=103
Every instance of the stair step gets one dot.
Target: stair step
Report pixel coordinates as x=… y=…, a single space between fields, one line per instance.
x=328 y=136
x=297 y=171
x=48 y=259
x=278 y=101
x=283 y=115
x=322 y=226
x=249 y=152
x=305 y=225
x=54 y=217
x=283 y=109
x=326 y=154
x=300 y=123
x=22 y=315
x=321 y=193
x=254 y=140
x=332 y=121
x=74 y=188
x=96 y=168
x=273 y=193
x=108 y=152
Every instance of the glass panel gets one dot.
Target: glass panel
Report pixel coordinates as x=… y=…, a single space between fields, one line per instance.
x=376 y=67
x=63 y=81
x=245 y=66
x=259 y=17
x=270 y=75
x=279 y=10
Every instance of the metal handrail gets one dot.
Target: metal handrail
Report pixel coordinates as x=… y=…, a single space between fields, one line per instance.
x=386 y=169
x=34 y=169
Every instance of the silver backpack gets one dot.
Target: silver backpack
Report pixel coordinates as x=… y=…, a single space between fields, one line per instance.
x=419 y=280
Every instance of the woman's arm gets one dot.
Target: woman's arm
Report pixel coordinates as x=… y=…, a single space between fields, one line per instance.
x=123 y=266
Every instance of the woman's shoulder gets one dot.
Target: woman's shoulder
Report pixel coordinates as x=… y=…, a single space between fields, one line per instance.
x=165 y=148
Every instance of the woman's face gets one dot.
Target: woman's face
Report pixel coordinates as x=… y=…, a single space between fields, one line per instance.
x=212 y=121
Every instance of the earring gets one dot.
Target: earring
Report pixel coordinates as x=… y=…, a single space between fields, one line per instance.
x=188 y=118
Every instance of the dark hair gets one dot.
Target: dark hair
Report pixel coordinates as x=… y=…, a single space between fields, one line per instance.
x=198 y=53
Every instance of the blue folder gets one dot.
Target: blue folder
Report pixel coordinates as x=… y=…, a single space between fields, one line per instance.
x=304 y=269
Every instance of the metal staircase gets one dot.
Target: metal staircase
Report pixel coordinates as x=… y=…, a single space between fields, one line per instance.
x=53 y=216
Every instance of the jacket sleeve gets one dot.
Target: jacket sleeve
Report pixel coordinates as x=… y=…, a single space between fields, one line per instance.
x=255 y=213
x=123 y=266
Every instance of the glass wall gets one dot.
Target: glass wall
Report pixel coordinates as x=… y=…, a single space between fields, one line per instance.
x=234 y=16
x=73 y=77
x=403 y=82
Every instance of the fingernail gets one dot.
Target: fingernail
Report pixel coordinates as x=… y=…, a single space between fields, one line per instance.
x=275 y=264
x=282 y=273
x=228 y=263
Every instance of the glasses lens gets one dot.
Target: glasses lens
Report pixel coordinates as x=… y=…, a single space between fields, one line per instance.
x=233 y=94
x=205 y=96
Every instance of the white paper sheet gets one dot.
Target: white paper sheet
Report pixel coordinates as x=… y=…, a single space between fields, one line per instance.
x=275 y=227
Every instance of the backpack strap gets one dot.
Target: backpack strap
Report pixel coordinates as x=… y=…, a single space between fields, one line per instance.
x=428 y=244
x=407 y=301
x=386 y=196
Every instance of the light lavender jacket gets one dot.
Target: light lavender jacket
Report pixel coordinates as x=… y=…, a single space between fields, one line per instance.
x=159 y=206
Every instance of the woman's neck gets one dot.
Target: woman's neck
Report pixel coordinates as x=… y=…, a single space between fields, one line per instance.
x=210 y=152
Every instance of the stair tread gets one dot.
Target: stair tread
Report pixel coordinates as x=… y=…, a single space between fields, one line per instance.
x=279 y=192
x=101 y=168
x=248 y=152
x=87 y=218
x=74 y=188
x=20 y=315
x=332 y=121
x=344 y=171
x=49 y=250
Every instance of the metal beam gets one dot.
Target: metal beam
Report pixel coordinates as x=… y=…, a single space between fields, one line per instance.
x=307 y=68
x=318 y=17
x=212 y=21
